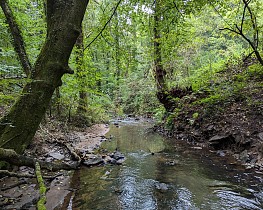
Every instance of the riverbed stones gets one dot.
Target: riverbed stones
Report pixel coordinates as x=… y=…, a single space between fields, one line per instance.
x=244 y=156
x=56 y=155
x=162 y=187
x=221 y=141
x=21 y=197
x=171 y=163
x=117 y=155
x=260 y=135
x=93 y=160
x=116 y=158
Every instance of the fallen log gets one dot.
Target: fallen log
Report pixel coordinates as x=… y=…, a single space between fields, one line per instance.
x=10 y=156
x=42 y=188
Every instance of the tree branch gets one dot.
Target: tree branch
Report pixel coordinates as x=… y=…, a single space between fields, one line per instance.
x=243 y=16
x=253 y=43
x=230 y=29
x=254 y=23
x=176 y=7
x=18 y=41
x=106 y=40
x=116 y=7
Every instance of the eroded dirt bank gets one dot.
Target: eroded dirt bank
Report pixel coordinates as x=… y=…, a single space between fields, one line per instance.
x=231 y=124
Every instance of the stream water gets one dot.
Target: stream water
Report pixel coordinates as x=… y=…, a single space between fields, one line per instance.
x=161 y=173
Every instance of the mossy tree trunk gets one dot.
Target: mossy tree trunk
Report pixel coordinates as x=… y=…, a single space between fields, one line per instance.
x=64 y=18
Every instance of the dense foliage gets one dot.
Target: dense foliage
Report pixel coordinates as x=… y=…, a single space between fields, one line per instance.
x=114 y=66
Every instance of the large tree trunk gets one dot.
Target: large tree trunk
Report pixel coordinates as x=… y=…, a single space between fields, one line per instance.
x=64 y=18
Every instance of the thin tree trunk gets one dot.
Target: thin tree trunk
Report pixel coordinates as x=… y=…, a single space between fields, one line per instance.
x=58 y=102
x=18 y=41
x=81 y=79
x=64 y=18
x=117 y=46
x=160 y=73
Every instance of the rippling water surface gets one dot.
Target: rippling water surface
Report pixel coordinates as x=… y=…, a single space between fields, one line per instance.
x=161 y=174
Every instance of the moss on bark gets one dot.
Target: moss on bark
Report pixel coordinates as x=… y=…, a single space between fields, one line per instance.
x=64 y=19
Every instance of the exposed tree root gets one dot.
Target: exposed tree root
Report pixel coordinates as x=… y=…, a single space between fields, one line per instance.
x=13 y=158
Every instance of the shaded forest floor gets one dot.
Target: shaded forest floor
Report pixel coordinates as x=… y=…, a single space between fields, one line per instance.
x=226 y=115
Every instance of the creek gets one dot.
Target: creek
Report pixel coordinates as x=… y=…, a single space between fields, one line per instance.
x=161 y=173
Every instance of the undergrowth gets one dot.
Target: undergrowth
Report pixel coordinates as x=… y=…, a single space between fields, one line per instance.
x=239 y=84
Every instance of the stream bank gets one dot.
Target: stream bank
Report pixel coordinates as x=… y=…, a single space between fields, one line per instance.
x=49 y=145
x=134 y=139
x=225 y=115
x=160 y=173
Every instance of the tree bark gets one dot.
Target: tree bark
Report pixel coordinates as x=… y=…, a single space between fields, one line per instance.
x=117 y=49
x=160 y=72
x=18 y=41
x=163 y=94
x=83 y=96
x=64 y=18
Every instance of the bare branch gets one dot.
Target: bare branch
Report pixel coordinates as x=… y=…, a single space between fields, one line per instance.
x=219 y=13
x=176 y=7
x=243 y=16
x=254 y=23
x=115 y=9
x=248 y=56
x=230 y=29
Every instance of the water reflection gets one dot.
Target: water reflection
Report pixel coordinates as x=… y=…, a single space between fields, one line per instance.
x=136 y=184
x=149 y=181
x=132 y=138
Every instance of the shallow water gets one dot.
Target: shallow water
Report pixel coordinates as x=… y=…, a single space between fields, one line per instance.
x=161 y=174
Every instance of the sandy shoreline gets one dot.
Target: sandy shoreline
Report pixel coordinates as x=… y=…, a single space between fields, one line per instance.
x=92 y=137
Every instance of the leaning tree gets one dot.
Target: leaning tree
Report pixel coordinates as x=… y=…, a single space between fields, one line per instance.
x=19 y=125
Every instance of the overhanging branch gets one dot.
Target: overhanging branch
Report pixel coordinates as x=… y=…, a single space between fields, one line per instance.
x=115 y=9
